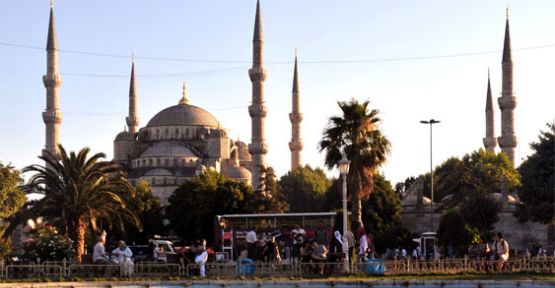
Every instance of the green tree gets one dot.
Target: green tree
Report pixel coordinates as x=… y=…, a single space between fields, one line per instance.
x=356 y=134
x=538 y=178
x=455 y=232
x=267 y=198
x=193 y=206
x=11 y=200
x=480 y=210
x=305 y=189
x=479 y=171
x=150 y=212
x=79 y=190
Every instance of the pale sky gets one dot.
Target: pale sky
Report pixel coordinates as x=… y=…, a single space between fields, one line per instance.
x=331 y=37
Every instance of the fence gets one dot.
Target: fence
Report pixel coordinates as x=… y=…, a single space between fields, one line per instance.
x=257 y=269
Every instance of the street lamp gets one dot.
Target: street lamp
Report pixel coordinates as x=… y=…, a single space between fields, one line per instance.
x=431 y=122
x=344 y=170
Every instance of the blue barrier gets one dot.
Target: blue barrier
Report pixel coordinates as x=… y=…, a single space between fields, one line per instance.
x=246 y=267
x=374 y=266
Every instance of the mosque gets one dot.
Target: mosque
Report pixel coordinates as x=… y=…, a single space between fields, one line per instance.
x=182 y=140
x=417 y=215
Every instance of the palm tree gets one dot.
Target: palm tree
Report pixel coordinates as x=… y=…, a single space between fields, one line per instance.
x=357 y=135
x=78 y=191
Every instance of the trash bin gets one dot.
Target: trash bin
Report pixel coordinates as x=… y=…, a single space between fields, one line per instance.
x=246 y=267
x=374 y=267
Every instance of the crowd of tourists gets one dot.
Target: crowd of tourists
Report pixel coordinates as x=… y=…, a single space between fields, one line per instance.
x=318 y=249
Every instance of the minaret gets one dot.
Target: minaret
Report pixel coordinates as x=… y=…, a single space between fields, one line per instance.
x=296 y=117
x=52 y=116
x=257 y=109
x=489 y=141
x=507 y=101
x=133 y=117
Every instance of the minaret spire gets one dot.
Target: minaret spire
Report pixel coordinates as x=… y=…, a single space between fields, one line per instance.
x=184 y=100
x=52 y=81
x=507 y=101
x=489 y=141
x=133 y=117
x=258 y=109
x=296 y=117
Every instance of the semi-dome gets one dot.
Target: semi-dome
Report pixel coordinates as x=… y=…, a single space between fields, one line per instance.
x=183 y=115
x=236 y=172
x=167 y=149
x=124 y=136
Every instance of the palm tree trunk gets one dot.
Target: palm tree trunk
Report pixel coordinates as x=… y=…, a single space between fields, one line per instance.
x=356 y=204
x=356 y=215
x=81 y=228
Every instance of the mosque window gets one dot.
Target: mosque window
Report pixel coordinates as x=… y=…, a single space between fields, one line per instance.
x=158 y=162
x=167 y=133
x=187 y=133
x=183 y=161
x=176 y=133
x=157 y=134
x=144 y=162
x=175 y=162
x=166 y=162
x=149 y=162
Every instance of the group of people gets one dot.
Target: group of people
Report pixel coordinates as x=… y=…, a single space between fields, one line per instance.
x=121 y=255
x=320 y=248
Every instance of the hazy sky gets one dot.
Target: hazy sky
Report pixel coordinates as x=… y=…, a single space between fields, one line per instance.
x=329 y=35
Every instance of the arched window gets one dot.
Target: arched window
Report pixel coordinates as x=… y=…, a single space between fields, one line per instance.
x=150 y=163
x=176 y=133
x=157 y=134
x=166 y=162
x=167 y=133
x=187 y=133
x=174 y=161
x=158 y=162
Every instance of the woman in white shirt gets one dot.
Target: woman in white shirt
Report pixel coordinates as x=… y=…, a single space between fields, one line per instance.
x=123 y=256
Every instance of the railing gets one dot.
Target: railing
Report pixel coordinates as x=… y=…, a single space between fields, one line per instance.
x=259 y=269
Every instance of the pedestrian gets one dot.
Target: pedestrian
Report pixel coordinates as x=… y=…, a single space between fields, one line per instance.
x=351 y=243
x=363 y=244
x=501 y=249
x=123 y=258
x=159 y=254
x=251 y=243
x=99 y=251
x=201 y=259
x=298 y=234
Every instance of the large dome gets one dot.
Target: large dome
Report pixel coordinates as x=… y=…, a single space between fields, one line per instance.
x=183 y=115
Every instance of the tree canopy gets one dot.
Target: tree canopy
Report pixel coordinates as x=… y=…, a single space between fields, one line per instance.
x=305 y=189
x=469 y=184
x=454 y=231
x=11 y=200
x=77 y=191
x=193 y=206
x=150 y=212
x=357 y=135
x=538 y=178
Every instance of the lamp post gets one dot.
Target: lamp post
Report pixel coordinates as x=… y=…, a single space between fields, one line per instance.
x=431 y=122
x=344 y=170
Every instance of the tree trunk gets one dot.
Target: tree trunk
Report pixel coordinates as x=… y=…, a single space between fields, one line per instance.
x=356 y=203
x=356 y=215
x=80 y=229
